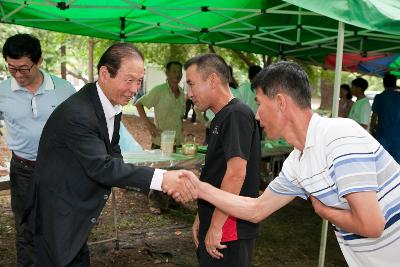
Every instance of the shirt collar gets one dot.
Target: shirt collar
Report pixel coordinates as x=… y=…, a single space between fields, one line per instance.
x=312 y=130
x=47 y=84
x=109 y=110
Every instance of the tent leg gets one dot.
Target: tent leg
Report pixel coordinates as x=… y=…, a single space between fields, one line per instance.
x=335 y=109
x=338 y=70
x=322 y=245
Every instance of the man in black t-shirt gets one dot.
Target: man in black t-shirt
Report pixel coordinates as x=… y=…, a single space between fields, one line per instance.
x=232 y=164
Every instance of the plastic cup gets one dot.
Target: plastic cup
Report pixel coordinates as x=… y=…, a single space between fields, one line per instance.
x=167 y=142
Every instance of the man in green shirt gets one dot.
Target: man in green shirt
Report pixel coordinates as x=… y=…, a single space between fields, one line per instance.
x=361 y=109
x=245 y=93
x=168 y=101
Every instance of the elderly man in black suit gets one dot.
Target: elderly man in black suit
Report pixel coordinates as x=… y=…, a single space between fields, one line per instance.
x=79 y=160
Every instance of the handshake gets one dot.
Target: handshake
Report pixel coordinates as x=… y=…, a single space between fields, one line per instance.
x=182 y=185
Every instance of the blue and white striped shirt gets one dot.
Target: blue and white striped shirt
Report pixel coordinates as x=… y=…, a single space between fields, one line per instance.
x=339 y=158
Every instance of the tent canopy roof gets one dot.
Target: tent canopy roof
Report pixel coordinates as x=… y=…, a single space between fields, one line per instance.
x=275 y=27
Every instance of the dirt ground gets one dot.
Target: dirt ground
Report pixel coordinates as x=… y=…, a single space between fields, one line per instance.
x=288 y=238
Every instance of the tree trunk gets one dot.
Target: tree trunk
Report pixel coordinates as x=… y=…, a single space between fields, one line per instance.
x=63 y=51
x=265 y=60
x=90 y=61
x=326 y=93
x=269 y=61
x=211 y=49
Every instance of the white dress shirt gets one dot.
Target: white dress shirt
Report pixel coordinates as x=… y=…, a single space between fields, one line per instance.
x=110 y=111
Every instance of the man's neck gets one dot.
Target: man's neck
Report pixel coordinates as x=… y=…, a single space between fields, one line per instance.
x=37 y=82
x=296 y=129
x=224 y=98
x=174 y=88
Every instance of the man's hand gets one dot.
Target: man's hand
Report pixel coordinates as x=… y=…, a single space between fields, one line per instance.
x=213 y=242
x=319 y=207
x=195 y=231
x=179 y=187
x=153 y=129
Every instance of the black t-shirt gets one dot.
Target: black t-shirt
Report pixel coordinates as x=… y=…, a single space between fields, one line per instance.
x=233 y=133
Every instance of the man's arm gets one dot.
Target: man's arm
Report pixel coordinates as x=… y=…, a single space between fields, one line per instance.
x=364 y=217
x=150 y=125
x=374 y=124
x=232 y=182
x=245 y=208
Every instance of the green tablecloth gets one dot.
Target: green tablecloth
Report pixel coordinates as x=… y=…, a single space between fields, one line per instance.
x=269 y=148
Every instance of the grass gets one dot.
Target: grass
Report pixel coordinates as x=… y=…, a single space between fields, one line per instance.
x=291 y=237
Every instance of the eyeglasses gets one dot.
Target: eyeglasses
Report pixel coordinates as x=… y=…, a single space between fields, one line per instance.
x=22 y=70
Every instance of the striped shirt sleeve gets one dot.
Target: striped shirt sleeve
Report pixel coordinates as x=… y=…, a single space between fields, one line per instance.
x=286 y=183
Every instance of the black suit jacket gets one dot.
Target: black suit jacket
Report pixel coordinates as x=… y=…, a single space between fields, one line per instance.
x=76 y=168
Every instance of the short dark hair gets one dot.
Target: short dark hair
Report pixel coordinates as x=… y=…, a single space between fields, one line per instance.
x=169 y=64
x=287 y=77
x=346 y=87
x=253 y=71
x=389 y=80
x=361 y=83
x=22 y=45
x=209 y=63
x=113 y=56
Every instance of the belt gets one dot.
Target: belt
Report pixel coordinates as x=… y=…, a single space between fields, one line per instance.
x=29 y=163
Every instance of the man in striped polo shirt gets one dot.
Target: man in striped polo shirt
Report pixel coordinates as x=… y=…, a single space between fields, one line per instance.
x=352 y=181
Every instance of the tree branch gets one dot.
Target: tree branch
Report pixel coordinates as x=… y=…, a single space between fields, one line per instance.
x=244 y=58
x=78 y=76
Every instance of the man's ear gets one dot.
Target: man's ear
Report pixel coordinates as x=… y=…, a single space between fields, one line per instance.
x=281 y=102
x=39 y=62
x=103 y=73
x=214 y=79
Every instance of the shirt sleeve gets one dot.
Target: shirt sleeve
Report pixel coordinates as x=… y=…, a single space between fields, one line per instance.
x=150 y=99
x=376 y=104
x=156 y=181
x=365 y=113
x=238 y=130
x=286 y=183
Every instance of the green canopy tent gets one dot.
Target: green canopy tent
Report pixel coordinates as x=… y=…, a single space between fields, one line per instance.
x=275 y=27
x=306 y=30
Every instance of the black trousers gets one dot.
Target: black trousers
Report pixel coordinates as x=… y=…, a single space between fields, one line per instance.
x=82 y=259
x=238 y=253
x=20 y=179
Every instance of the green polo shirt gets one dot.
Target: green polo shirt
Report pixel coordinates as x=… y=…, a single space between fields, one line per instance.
x=168 y=110
x=361 y=111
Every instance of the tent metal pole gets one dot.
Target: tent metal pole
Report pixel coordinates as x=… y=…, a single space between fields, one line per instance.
x=335 y=105
x=338 y=69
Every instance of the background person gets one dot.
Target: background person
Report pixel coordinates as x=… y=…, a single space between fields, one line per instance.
x=361 y=110
x=232 y=163
x=168 y=100
x=352 y=181
x=26 y=101
x=385 y=119
x=345 y=102
x=246 y=93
